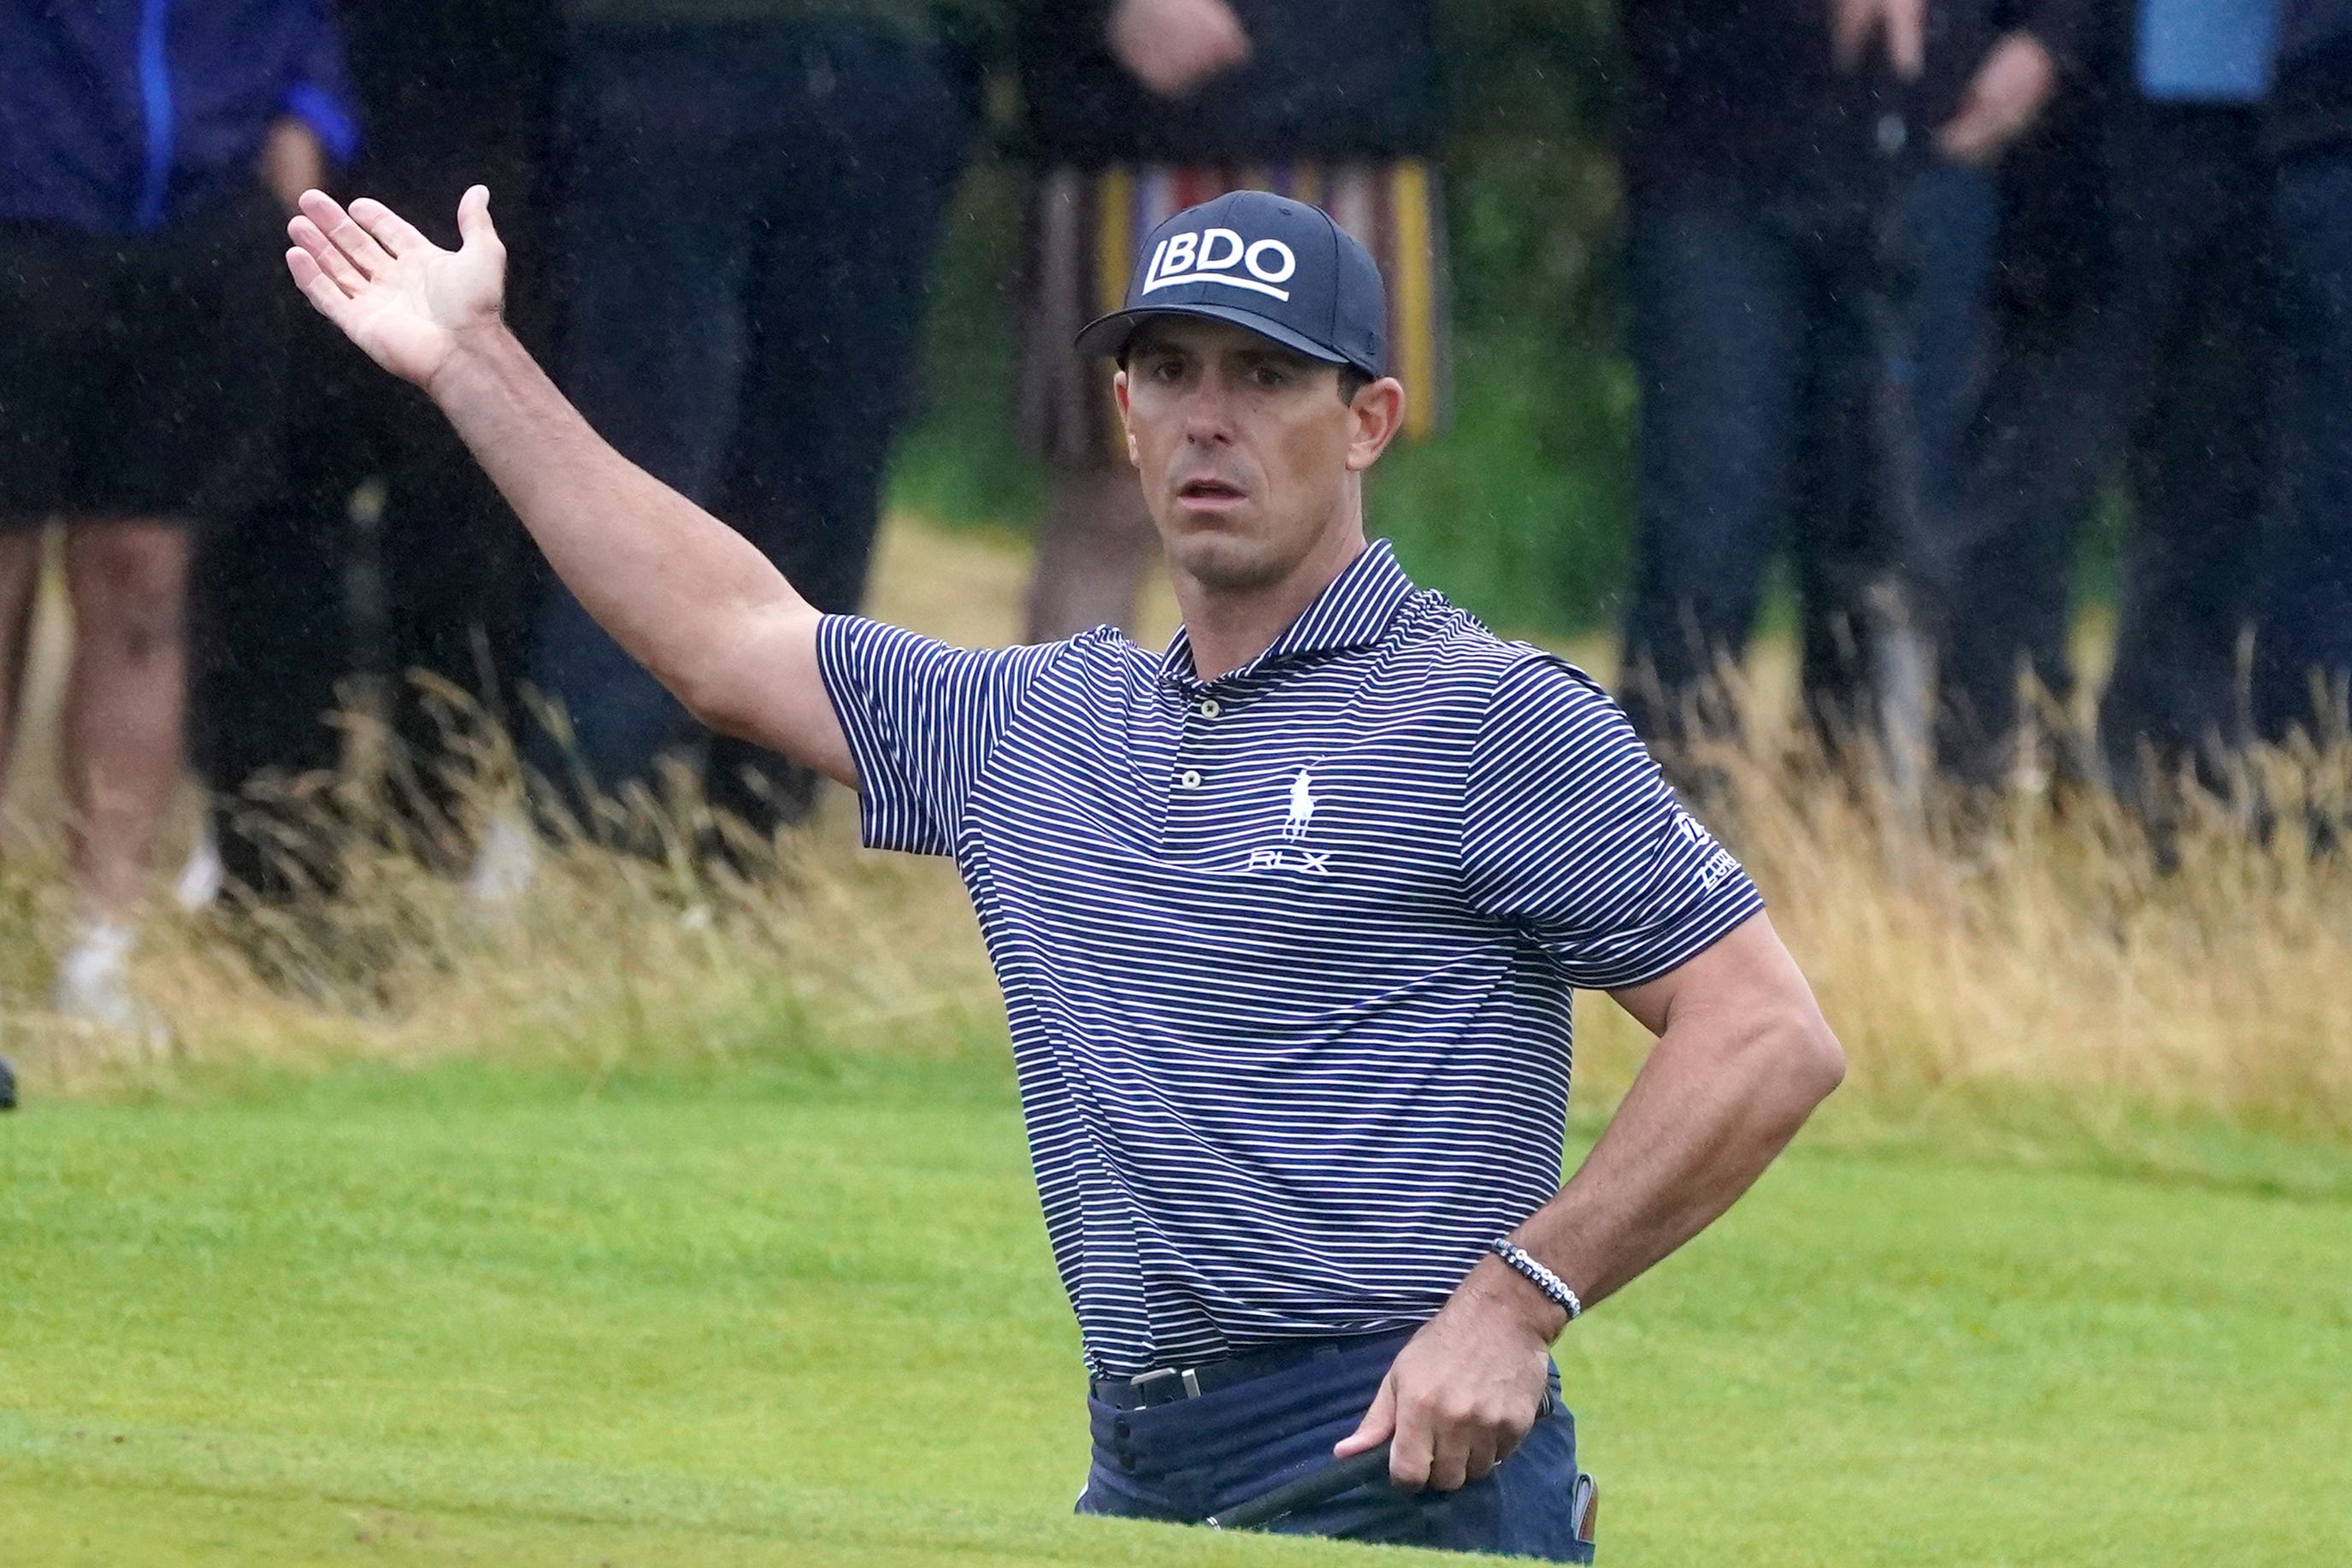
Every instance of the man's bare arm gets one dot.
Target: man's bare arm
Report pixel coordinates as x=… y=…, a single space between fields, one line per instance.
x=688 y=597
x=1742 y=1058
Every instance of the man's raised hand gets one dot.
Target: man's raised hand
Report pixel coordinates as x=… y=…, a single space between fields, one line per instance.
x=401 y=298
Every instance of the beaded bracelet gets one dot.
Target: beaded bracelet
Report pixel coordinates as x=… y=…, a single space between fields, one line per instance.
x=1543 y=1278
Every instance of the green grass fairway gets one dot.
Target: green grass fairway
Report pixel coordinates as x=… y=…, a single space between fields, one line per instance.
x=804 y=1315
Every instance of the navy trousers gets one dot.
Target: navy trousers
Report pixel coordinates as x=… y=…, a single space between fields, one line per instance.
x=1180 y=1463
x=1755 y=366
x=2158 y=373
x=2303 y=641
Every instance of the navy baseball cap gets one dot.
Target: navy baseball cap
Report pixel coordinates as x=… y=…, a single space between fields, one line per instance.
x=1281 y=268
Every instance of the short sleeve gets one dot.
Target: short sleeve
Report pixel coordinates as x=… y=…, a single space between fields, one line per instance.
x=921 y=718
x=1571 y=832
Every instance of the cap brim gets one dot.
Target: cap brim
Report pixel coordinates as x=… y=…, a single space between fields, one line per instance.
x=1108 y=334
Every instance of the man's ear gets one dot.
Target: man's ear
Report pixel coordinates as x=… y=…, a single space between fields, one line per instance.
x=1379 y=413
x=1119 y=390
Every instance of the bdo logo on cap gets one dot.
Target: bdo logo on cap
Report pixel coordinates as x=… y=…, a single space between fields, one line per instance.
x=1211 y=256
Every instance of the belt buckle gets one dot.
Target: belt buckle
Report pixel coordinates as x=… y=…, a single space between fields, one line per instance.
x=1190 y=1381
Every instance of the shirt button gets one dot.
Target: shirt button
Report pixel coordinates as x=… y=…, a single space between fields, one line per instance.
x=1189 y=778
x=1208 y=708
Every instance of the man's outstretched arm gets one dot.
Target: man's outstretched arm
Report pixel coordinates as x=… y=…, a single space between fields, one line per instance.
x=1742 y=1058
x=688 y=597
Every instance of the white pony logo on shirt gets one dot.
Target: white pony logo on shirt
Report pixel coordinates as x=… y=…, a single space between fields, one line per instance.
x=1302 y=807
x=1280 y=858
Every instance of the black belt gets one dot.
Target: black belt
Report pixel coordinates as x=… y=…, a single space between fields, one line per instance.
x=1168 y=1384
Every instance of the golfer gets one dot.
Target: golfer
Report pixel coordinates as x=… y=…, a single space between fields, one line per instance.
x=1287 y=918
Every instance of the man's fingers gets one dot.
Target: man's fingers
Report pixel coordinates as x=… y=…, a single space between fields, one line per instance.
x=474 y=223
x=361 y=246
x=320 y=208
x=1449 y=1463
x=326 y=255
x=317 y=287
x=1373 y=1430
x=339 y=226
x=1413 y=1450
x=1452 y=1443
x=328 y=217
x=391 y=230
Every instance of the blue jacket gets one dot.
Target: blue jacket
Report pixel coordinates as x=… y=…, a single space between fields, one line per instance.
x=120 y=116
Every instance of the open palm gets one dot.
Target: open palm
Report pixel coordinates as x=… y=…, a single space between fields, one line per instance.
x=394 y=293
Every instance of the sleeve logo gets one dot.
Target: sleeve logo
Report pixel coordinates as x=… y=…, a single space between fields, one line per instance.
x=1718 y=863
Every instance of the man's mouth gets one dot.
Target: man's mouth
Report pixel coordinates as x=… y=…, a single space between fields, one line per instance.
x=1209 y=493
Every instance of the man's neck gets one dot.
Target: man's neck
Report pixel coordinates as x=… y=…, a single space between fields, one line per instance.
x=1228 y=629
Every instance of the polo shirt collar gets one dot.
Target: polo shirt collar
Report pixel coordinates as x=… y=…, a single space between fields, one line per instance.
x=1353 y=611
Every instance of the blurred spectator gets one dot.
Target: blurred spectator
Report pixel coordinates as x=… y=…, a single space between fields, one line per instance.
x=294 y=597
x=750 y=195
x=148 y=156
x=1136 y=110
x=2303 y=642
x=2138 y=349
x=1811 y=221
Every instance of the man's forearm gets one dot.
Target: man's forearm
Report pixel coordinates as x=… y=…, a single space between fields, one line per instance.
x=665 y=578
x=1703 y=1119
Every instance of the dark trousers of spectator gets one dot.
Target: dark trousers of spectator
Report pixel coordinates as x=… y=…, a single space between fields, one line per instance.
x=2158 y=369
x=749 y=215
x=1757 y=363
x=2303 y=641
x=292 y=597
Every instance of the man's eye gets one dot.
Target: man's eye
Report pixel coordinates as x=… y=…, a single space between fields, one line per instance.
x=1268 y=377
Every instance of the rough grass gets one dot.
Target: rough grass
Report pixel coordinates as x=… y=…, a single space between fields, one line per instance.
x=2030 y=976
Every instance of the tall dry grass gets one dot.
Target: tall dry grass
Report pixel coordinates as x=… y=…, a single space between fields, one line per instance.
x=2039 y=948
x=2049 y=947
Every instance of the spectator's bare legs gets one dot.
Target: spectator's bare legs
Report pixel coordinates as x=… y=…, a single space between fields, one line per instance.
x=1093 y=549
x=124 y=699
x=120 y=746
x=20 y=573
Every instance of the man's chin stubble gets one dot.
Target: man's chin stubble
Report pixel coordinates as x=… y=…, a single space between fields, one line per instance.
x=1227 y=566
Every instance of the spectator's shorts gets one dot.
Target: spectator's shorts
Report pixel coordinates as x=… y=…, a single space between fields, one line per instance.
x=141 y=376
x=1082 y=227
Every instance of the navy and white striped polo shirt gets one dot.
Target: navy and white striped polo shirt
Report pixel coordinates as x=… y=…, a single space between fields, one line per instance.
x=1287 y=954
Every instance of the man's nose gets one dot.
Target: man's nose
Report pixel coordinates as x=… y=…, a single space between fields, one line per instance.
x=1207 y=417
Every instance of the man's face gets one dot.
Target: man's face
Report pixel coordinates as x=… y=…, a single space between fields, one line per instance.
x=1248 y=455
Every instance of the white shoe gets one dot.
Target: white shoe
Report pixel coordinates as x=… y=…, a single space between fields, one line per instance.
x=94 y=987
x=506 y=863
x=201 y=880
